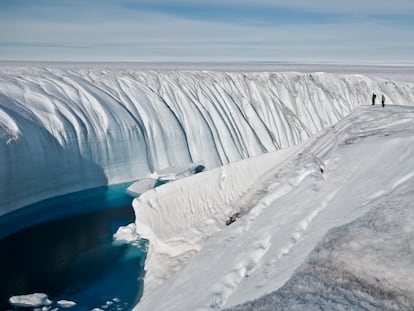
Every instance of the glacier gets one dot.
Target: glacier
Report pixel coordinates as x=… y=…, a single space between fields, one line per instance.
x=71 y=128
x=327 y=223
x=302 y=172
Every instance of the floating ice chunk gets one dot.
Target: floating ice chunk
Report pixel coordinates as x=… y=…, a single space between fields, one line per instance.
x=166 y=179
x=162 y=177
x=141 y=186
x=66 y=303
x=31 y=300
x=172 y=174
x=126 y=234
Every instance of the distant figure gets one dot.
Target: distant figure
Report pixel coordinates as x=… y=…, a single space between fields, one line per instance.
x=383 y=100
x=374 y=96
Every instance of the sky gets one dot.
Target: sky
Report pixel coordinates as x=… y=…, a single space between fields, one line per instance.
x=356 y=31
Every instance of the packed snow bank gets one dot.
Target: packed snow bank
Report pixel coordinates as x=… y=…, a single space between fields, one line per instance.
x=177 y=219
x=365 y=265
x=335 y=177
x=68 y=129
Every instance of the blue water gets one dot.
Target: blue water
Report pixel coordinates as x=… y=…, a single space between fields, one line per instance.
x=63 y=247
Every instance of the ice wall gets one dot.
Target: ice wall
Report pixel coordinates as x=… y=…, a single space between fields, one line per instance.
x=64 y=130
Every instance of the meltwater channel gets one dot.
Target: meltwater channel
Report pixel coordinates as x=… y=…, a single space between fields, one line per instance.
x=64 y=247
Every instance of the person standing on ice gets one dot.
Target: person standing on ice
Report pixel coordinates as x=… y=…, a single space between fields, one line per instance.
x=383 y=100
x=374 y=96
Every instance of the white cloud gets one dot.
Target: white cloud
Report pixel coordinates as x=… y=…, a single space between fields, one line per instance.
x=327 y=6
x=160 y=37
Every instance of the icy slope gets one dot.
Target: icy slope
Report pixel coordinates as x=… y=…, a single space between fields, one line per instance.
x=364 y=265
x=68 y=129
x=365 y=160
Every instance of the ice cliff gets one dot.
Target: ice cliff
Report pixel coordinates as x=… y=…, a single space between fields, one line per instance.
x=67 y=129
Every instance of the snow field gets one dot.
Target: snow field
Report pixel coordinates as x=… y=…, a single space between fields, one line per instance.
x=335 y=177
x=366 y=264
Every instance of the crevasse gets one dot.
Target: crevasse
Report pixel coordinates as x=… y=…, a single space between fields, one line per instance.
x=64 y=130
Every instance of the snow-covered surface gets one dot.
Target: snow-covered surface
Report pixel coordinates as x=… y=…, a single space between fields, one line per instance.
x=360 y=170
x=178 y=219
x=365 y=265
x=64 y=129
x=395 y=71
x=30 y=300
x=239 y=231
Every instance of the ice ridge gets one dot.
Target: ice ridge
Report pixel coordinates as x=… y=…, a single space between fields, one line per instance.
x=68 y=129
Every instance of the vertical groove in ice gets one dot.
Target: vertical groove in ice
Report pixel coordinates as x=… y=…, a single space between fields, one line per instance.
x=63 y=130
